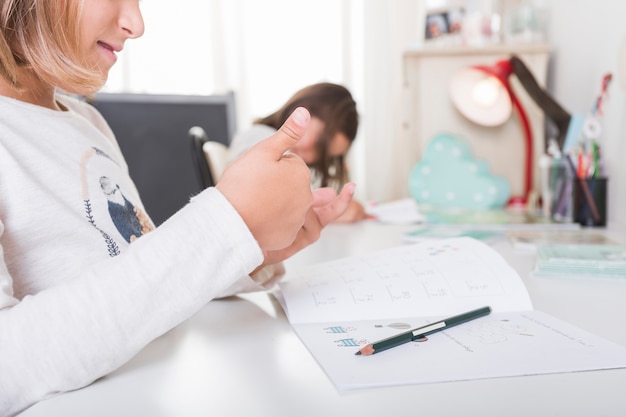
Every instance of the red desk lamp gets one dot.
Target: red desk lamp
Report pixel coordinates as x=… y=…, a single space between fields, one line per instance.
x=484 y=95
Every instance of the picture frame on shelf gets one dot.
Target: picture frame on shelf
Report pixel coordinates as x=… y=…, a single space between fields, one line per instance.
x=443 y=23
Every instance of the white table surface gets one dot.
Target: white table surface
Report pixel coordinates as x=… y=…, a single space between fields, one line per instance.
x=239 y=356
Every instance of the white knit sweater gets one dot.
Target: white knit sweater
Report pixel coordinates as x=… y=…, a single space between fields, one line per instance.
x=81 y=290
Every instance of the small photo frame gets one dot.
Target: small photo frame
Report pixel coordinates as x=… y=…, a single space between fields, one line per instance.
x=444 y=22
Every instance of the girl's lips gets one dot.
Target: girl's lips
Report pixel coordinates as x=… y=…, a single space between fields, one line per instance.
x=107 y=46
x=110 y=50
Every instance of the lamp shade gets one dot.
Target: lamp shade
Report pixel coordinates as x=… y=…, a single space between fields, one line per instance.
x=481 y=96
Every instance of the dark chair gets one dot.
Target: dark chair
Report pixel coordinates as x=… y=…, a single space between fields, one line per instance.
x=152 y=131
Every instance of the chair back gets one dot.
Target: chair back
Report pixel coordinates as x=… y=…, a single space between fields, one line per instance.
x=198 y=138
x=216 y=154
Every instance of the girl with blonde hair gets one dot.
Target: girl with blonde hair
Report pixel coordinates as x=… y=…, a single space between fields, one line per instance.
x=86 y=280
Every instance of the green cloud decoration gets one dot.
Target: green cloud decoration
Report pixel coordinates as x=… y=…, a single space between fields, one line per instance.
x=448 y=176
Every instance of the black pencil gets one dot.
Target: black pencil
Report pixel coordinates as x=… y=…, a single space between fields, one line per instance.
x=414 y=334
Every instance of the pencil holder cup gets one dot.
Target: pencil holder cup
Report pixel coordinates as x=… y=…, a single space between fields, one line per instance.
x=589 y=201
x=557 y=189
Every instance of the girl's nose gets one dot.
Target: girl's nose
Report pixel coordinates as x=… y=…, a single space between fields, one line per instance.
x=131 y=20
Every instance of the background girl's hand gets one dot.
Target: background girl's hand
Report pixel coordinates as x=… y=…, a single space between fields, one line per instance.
x=270 y=188
x=354 y=213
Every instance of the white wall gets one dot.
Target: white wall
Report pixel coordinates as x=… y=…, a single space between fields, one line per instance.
x=587 y=36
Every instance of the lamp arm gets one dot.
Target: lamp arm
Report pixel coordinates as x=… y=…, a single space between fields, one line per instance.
x=550 y=107
x=528 y=137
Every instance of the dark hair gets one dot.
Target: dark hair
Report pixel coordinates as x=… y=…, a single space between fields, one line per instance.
x=333 y=104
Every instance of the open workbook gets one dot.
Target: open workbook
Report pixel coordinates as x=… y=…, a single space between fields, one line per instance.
x=339 y=306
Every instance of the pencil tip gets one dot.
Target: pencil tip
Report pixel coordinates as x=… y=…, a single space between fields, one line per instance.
x=358 y=352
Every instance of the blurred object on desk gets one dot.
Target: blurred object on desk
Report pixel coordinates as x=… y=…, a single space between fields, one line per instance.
x=501 y=219
x=556 y=186
x=590 y=201
x=531 y=239
x=448 y=176
x=445 y=232
x=486 y=225
x=581 y=261
x=404 y=211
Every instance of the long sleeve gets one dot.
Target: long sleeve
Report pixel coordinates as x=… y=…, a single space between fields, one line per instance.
x=86 y=281
x=68 y=335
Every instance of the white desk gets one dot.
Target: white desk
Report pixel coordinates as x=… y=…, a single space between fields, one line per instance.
x=239 y=357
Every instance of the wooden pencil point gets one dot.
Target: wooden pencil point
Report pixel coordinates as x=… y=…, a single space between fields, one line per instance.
x=366 y=350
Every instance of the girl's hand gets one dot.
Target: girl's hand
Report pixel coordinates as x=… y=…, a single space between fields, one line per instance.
x=270 y=187
x=354 y=213
x=326 y=208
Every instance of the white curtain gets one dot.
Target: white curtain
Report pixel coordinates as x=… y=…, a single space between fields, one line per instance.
x=266 y=50
x=391 y=27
